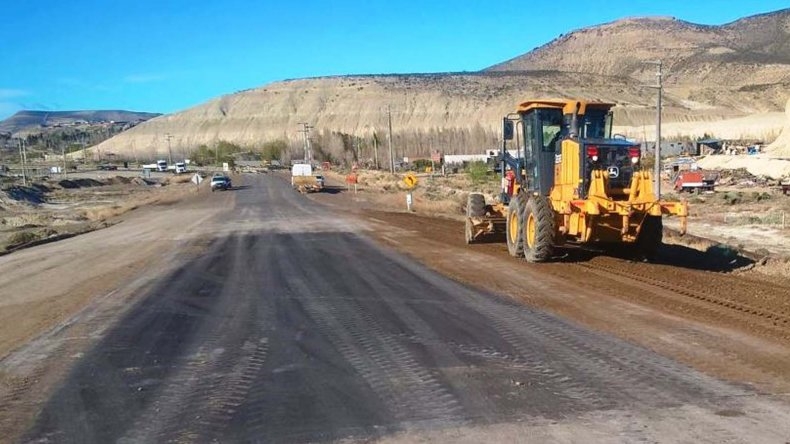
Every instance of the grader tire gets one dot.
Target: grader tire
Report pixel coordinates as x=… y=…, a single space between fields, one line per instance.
x=475 y=207
x=650 y=237
x=469 y=232
x=539 y=230
x=514 y=225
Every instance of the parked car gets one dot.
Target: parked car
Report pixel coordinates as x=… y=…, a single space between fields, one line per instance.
x=220 y=182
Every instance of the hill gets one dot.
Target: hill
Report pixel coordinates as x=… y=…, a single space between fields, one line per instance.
x=34 y=120
x=716 y=65
x=713 y=74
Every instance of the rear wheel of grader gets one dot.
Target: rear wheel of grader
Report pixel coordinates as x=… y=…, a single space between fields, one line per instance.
x=514 y=225
x=475 y=207
x=650 y=238
x=538 y=230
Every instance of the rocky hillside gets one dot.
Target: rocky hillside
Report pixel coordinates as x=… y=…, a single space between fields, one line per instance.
x=715 y=65
x=713 y=73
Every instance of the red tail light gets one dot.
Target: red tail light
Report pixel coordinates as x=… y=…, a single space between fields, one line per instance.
x=634 y=152
x=592 y=152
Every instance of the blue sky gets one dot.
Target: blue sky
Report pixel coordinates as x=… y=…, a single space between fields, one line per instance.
x=168 y=55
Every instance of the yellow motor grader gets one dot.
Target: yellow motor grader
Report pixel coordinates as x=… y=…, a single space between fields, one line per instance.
x=570 y=182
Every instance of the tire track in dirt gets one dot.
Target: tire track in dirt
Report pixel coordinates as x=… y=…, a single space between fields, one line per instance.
x=411 y=391
x=197 y=402
x=758 y=358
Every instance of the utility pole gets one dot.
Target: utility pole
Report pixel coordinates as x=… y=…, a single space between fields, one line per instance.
x=169 y=136
x=63 y=153
x=660 y=87
x=389 y=139
x=84 y=147
x=22 y=161
x=308 y=155
x=375 y=150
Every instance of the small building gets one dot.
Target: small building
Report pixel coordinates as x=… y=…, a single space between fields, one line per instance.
x=707 y=146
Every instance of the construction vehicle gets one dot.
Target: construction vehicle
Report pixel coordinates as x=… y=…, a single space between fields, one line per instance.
x=570 y=183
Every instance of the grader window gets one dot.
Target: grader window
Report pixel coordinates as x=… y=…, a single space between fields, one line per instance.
x=551 y=125
x=596 y=124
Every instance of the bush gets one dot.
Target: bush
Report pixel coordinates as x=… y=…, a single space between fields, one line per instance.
x=23 y=237
x=732 y=198
x=477 y=172
x=421 y=164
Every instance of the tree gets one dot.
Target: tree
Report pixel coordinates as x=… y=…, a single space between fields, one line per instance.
x=274 y=150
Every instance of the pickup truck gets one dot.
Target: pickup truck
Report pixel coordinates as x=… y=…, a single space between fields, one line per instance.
x=220 y=182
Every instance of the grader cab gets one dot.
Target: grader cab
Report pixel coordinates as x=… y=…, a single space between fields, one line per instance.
x=571 y=182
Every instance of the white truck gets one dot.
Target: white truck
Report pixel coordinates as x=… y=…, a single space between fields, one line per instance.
x=160 y=165
x=178 y=168
x=303 y=180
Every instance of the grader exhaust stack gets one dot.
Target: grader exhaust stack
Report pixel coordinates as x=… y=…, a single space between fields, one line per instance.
x=574 y=184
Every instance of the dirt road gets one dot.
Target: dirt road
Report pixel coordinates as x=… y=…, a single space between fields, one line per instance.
x=262 y=316
x=689 y=305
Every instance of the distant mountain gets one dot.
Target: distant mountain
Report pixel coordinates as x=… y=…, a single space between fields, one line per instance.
x=34 y=121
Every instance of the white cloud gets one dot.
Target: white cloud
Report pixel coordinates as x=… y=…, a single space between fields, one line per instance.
x=144 y=78
x=10 y=93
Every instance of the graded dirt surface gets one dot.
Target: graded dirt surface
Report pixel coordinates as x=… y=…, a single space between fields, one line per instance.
x=692 y=305
x=261 y=315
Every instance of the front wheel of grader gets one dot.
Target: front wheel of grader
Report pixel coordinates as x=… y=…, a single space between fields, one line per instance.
x=539 y=230
x=514 y=231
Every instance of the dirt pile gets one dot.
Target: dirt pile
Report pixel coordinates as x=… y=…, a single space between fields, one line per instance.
x=742 y=178
x=34 y=194
x=756 y=165
x=80 y=183
x=781 y=146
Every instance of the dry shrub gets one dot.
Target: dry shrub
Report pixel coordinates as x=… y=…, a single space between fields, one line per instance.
x=776 y=266
x=98 y=214
x=178 y=178
x=23 y=237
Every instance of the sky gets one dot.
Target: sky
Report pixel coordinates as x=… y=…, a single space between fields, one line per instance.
x=169 y=55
